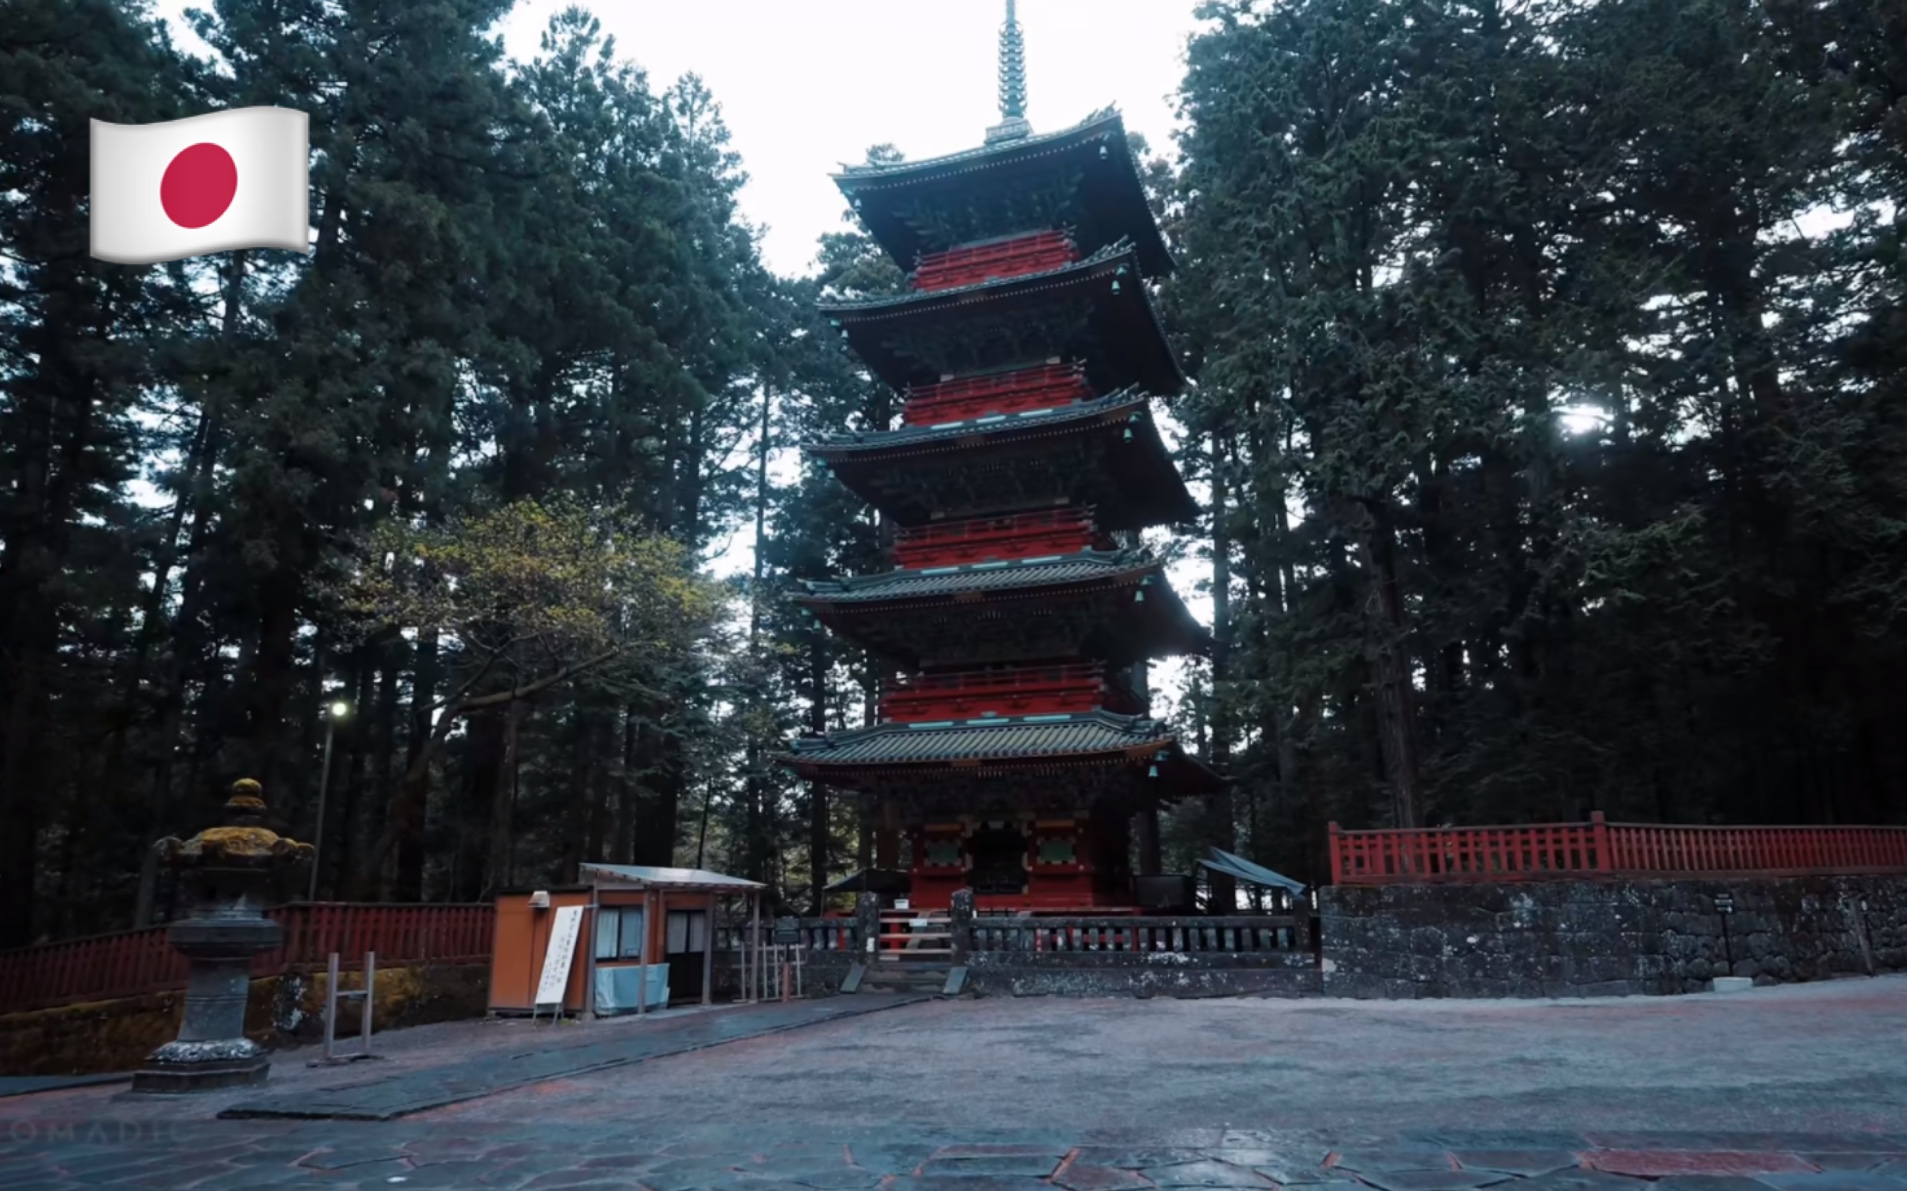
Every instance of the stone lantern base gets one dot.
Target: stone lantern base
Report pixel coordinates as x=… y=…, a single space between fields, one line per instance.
x=182 y=1067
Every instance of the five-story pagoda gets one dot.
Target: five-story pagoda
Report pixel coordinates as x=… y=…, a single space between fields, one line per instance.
x=1014 y=751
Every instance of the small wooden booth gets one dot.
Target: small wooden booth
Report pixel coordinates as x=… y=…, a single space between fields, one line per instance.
x=645 y=937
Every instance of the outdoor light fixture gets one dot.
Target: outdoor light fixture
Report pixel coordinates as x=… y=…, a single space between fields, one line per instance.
x=337 y=709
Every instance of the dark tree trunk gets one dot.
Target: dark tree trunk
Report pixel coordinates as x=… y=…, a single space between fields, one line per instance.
x=404 y=825
x=1223 y=826
x=1392 y=691
x=478 y=873
x=818 y=833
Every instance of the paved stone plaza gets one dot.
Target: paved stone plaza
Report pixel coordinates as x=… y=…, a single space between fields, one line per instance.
x=1780 y=1089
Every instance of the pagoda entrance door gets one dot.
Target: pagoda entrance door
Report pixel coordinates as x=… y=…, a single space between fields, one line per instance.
x=998 y=855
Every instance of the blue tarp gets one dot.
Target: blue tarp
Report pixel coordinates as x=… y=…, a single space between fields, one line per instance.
x=1252 y=874
x=616 y=988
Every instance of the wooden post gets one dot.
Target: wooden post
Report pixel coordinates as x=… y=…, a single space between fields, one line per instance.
x=1149 y=862
x=708 y=954
x=754 y=941
x=589 y=937
x=887 y=835
x=642 y=952
x=1337 y=859
x=1599 y=827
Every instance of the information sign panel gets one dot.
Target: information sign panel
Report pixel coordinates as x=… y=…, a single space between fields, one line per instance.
x=561 y=953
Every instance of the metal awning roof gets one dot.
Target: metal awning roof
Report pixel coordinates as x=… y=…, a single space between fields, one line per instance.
x=1252 y=874
x=646 y=876
x=872 y=880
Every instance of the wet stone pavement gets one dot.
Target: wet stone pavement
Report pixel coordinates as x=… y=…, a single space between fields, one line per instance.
x=230 y=1156
x=1785 y=1089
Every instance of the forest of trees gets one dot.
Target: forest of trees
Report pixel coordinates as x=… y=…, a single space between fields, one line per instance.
x=1551 y=399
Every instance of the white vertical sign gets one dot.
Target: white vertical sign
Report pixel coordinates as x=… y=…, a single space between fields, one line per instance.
x=556 y=961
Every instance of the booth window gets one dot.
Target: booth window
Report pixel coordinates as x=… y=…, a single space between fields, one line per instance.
x=688 y=931
x=618 y=934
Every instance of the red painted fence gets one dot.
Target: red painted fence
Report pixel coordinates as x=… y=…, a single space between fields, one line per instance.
x=1600 y=848
x=136 y=962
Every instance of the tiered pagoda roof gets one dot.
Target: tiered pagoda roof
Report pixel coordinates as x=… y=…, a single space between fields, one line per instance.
x=1113 y=605
x=1096 y=310
x=1082 y=178
x=1028 y=351
x=1104 y=452
x=1047 y=763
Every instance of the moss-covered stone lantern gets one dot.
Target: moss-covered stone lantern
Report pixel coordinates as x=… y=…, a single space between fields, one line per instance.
x=229 y=871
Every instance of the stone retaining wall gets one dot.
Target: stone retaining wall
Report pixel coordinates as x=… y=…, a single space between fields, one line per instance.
x=109 y=1036
x=1605 y=937
x=1160 y=974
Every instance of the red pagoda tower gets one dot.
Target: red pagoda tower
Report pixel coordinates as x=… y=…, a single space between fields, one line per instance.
x=1014 y=752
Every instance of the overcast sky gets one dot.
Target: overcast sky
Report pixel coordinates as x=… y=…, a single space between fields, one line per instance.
x=806 y=85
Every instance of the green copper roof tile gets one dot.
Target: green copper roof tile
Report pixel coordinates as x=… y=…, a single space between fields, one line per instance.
x=941 y=581
x=1094 y=732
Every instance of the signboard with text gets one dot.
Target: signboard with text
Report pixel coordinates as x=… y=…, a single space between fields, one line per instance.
x=561 y=953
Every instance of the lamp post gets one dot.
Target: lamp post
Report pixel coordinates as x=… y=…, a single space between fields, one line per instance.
x=335 y=712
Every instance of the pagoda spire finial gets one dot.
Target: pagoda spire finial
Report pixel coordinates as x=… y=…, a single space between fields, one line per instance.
x=1013 y=123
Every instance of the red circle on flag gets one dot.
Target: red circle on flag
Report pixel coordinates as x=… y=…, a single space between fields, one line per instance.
x=198 y=185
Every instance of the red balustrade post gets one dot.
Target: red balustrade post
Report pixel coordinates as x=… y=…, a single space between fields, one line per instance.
x=1337 y=854
x=1599 y=835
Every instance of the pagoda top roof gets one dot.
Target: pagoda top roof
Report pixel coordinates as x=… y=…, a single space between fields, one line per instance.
x=1001 y=738
x=895 y=201
x=1133 y=343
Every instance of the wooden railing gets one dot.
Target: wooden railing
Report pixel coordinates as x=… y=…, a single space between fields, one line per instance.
x=1047 y=386
x=138 y=962
x=983 y=539
x=1017 y=690
x=1601 y=848
x=1012 y=257
x=1231 y=936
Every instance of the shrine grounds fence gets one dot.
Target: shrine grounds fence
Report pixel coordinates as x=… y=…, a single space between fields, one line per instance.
x=1231 y=936
x=140 y=962
x=1599 y=848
